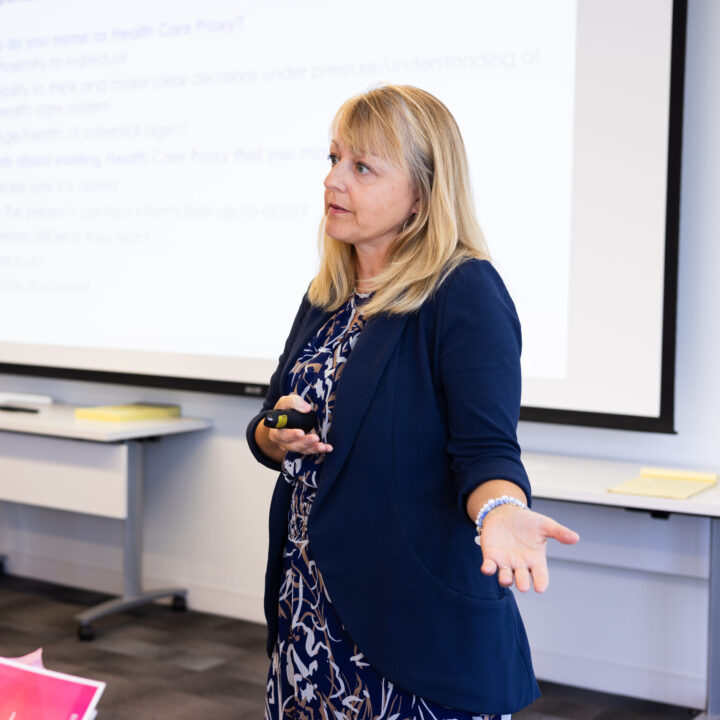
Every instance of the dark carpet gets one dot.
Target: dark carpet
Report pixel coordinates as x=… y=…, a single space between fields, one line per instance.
x=181 y=665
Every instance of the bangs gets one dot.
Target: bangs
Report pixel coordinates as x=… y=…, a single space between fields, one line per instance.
x=371 y=126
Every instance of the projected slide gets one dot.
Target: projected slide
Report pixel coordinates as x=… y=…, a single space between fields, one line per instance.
x=162 y=163
x=162 y=166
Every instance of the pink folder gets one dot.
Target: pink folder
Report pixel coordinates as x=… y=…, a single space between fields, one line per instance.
x=33 y=693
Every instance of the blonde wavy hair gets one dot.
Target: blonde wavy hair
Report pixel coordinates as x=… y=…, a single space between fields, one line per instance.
x=414 y=131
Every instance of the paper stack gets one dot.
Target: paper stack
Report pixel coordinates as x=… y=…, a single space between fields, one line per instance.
x=666 y=483
x=28 y=691
x=128 y=413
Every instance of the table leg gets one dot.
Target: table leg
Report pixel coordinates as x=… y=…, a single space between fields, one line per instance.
x=132 y=596
x=713 y=671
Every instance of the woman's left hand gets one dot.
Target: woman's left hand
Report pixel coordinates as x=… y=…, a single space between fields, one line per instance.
x=513 y=542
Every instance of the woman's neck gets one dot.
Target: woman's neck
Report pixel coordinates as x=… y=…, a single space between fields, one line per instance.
x=368 y=266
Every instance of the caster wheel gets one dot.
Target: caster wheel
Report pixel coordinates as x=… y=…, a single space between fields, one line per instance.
x=179 y=603
x=86 y=633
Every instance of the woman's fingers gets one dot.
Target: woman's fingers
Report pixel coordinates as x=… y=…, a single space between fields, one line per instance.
x=293 y=402
x=556 y=531
x=315 y=447
x=505 y=575
x=522 y=579
x=295 y=440
x=540 y=578
x=285 y=438
x=489 y=567
x=525 y=578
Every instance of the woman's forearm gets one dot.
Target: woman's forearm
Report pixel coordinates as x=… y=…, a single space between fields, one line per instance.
x=268 y=447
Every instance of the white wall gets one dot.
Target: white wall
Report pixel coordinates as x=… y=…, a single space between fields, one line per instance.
x=206 y=504
x=207 y=501
x=600 y=625
x=697 y=396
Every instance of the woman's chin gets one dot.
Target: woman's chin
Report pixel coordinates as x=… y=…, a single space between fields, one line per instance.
x=337 y=234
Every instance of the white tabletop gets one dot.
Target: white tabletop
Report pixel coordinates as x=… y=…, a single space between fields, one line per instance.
x=586 y=480
x=60 y=421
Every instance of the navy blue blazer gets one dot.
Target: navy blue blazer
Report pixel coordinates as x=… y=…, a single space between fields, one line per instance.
x=426 y=410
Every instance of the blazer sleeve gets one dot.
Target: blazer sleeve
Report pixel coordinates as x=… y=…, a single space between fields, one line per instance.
x=480 y=346
x=275 y=389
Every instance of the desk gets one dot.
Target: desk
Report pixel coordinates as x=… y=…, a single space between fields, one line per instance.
x=52 y=460
x=690 y=556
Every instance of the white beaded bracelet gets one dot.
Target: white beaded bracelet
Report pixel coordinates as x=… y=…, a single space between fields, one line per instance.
x=491 y=505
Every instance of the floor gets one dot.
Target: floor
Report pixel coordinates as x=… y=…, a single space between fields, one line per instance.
x=163 y=664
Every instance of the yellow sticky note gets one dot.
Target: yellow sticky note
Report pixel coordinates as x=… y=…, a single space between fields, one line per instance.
x=127 y=413
x=666 y=483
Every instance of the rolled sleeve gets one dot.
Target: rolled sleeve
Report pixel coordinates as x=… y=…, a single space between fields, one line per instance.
x=480 y=346
x=258 y=454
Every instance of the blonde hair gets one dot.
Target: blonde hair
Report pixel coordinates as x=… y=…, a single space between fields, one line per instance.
x=414 y=131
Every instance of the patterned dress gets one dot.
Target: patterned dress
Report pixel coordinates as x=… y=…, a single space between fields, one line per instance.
x=316 y=671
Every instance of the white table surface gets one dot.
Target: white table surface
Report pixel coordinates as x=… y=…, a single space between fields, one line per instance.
x=586 y=480
x=60 y=421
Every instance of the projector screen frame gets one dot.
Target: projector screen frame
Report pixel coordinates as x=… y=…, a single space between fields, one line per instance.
x=663 y=423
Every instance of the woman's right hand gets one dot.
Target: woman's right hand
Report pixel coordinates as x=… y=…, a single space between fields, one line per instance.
x=275 y=443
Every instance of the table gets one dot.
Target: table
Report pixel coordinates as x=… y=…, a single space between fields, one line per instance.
x=51 y=459
x=585 y=481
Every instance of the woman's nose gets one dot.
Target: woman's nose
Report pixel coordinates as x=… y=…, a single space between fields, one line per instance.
x=335 y=179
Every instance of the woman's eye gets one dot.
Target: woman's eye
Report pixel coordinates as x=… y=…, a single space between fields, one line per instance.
x=362 y=168
x=333 y=159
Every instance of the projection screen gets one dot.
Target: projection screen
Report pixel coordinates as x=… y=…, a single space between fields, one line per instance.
x=161 y=169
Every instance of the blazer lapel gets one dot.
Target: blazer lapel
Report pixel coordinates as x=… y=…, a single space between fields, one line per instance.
x=355 y=390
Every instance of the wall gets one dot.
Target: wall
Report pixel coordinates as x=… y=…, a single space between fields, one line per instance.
x=206 y=504
x=206 y=500
x=644 y=631
x=697 y=442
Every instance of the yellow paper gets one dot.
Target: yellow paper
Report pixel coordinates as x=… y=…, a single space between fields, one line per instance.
x=666 y=483
x=127 y=413
x=677 y=474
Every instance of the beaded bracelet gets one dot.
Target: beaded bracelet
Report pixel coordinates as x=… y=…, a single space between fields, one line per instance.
x=491 y=505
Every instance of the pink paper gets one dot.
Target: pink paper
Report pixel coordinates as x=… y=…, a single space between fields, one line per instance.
x=34 y=659
x=30 y=693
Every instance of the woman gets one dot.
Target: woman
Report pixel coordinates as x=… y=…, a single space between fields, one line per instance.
x=379 y=604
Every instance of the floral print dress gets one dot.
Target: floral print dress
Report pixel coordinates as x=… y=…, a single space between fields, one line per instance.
x=316 y=670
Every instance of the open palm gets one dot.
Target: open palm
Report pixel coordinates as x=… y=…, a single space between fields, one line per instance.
x=514 y=543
